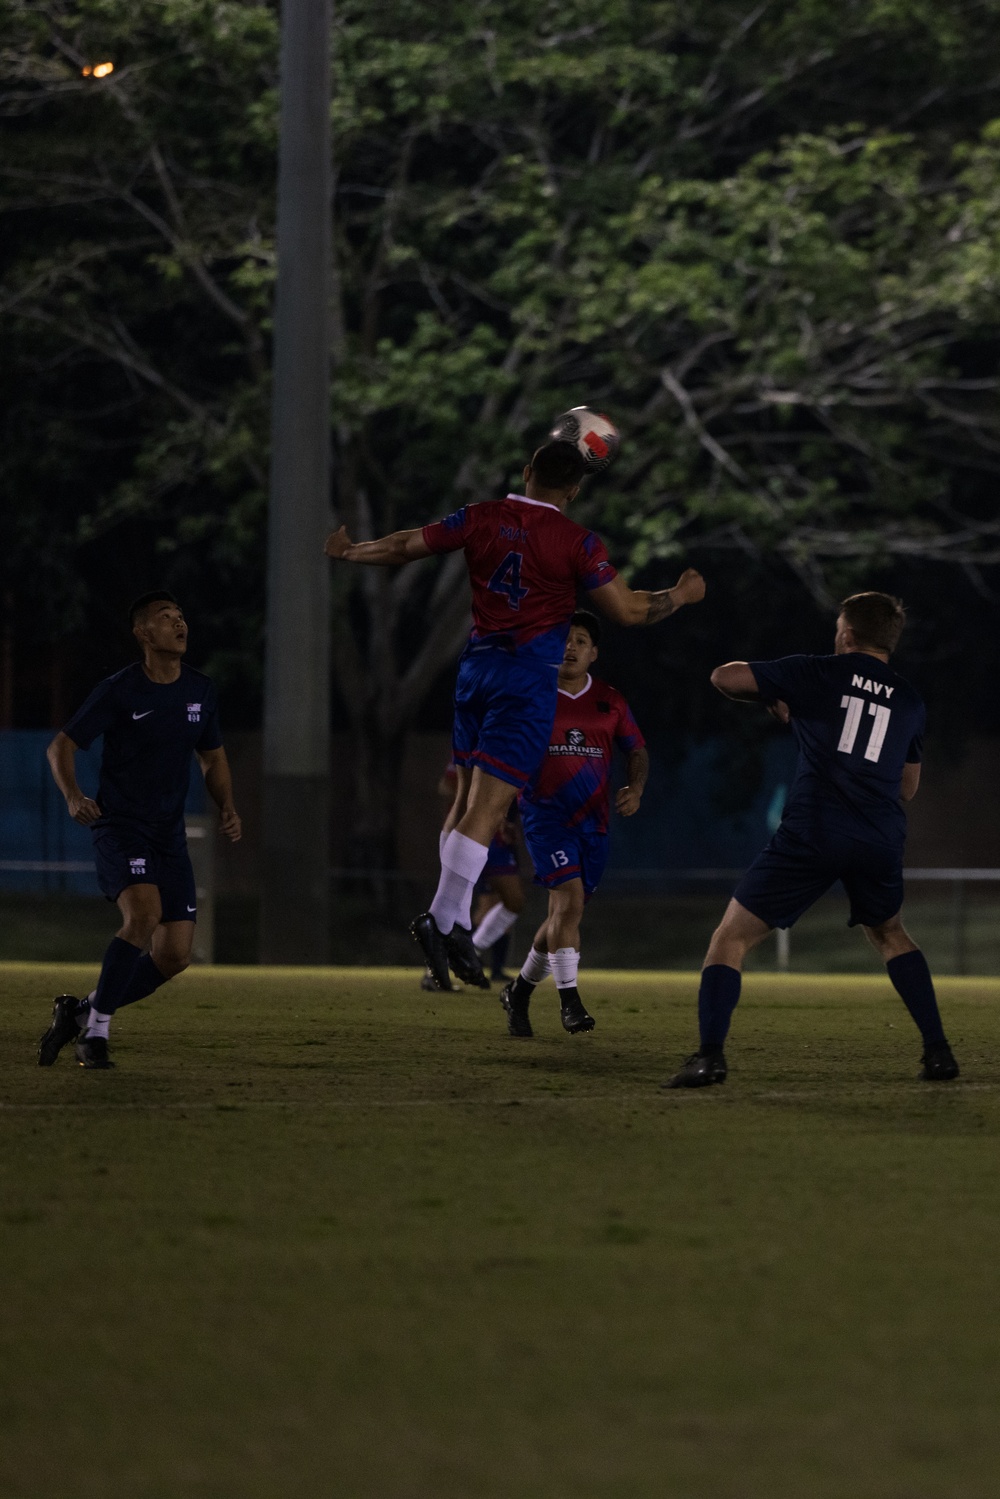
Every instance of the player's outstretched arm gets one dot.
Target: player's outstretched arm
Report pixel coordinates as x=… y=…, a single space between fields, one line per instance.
x=388 y=551
x=737 y=681
x=219 y=784
x=637 y=606
x=61 y=755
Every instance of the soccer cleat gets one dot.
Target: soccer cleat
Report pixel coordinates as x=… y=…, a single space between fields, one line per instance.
x=518 y=1023
x=424 y=930
x=463 y=957
x=64 y=1028
x=939 y=1064
x=573 y=1015
x=92 y=1052
x=427 y=983
x=699 y=1072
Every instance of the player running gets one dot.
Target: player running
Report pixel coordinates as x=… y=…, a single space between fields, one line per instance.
x=564 y=811
x=859 y=728
x=526 y=559
x=152 y=715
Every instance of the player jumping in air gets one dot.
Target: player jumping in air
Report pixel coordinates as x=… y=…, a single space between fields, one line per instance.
x=526 y=559
x=565 y=810
x=152 y=715
x=859 y=728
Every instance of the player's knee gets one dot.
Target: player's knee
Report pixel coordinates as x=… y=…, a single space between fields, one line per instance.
x=173 y=964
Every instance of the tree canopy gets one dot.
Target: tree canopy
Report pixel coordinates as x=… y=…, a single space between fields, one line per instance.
x=765 y=238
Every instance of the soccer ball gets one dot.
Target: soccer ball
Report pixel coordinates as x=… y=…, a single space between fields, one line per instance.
x=595 y=436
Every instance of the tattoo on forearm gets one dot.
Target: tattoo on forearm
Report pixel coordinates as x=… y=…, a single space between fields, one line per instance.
x=660 y=606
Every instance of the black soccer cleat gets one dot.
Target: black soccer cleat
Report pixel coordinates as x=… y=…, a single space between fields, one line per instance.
x=64 y=1028
x=939 y=1064
x=699 y=1072
x=92 y=1052
x=518 y=1023
x=424 y=930
x=573 y=1015
x=464 y=959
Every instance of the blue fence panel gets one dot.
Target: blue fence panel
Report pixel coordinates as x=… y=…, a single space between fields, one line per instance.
x=34 y=825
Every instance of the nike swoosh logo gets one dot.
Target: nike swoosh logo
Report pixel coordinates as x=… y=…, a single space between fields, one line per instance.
x=144 y=715
x=192 y=908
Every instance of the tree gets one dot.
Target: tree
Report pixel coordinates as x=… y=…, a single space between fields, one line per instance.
x=766 y=237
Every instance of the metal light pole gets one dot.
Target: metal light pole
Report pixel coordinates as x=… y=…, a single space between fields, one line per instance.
x=295 y=904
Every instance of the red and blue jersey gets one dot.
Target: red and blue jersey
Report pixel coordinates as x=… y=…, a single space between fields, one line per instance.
x=573 y=782
x=526 y=560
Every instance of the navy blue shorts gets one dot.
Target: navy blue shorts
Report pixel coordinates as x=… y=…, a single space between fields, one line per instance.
x=504 y=711
x=794 y=871
x=126 y=855
x=560 y=854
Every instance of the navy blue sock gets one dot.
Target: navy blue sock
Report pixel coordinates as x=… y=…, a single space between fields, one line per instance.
x=498 y=954
x=911 y=979
x=117 y=970
x=145 y=979
x=717 y=998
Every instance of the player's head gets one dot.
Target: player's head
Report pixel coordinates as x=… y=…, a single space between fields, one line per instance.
x=870 y=622
x=555 y=472
x=581 y=645
x=158 y=623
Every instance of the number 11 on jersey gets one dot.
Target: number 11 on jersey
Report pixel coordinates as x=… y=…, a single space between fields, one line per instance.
x=852 y=722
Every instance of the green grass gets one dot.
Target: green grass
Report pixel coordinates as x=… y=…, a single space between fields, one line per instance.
x=321 y=1236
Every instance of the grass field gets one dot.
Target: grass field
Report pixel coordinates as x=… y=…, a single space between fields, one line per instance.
x=321 y=1236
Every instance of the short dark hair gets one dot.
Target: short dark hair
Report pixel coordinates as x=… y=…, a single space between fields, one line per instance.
x=584 y=620
x=141 y=604
x=558 y=465
x=877 y=619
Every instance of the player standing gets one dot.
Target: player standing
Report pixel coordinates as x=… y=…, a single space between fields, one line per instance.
x=565 y=810
x=526 y=559
x=152 y=716
x=859 y=728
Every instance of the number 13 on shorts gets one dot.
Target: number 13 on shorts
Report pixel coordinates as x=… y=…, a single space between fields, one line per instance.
x=560 y=858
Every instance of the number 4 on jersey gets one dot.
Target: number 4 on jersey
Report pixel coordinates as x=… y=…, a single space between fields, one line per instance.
x=855 y=708
x=507 y=579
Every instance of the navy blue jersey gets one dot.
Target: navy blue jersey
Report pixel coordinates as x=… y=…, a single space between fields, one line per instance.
x=857 y=723
x=150 y=730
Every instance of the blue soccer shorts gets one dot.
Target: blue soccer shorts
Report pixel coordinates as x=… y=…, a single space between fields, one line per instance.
x=793 y=871
x=560 y=854
x=504 y=711
x=129 y=855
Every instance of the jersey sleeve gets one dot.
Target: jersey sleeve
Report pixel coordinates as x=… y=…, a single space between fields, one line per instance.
x=450 y=534
x=793 y=679
x=211 y=731
x=593 y=567
x=95 y=717
x=628 y=735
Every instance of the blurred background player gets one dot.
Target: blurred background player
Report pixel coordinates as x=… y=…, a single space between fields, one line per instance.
x=526 y=559
x=565 y=811
x=152 y=716
x=499 y=898
x=859 y=727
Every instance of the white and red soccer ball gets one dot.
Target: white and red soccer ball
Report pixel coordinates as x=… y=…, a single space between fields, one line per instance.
x=594 y=434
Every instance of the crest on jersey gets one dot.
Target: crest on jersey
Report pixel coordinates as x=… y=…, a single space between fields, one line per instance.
x=194 y=712
x=576 y=737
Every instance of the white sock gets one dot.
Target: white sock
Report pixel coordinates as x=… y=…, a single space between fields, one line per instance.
x=565 y=967
x=494 y=924
x=462 y=862
x=535 y=967
x=97 y=1025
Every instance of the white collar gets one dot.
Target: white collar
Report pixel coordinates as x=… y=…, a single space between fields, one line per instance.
x=585 y=688
x=522 y=499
